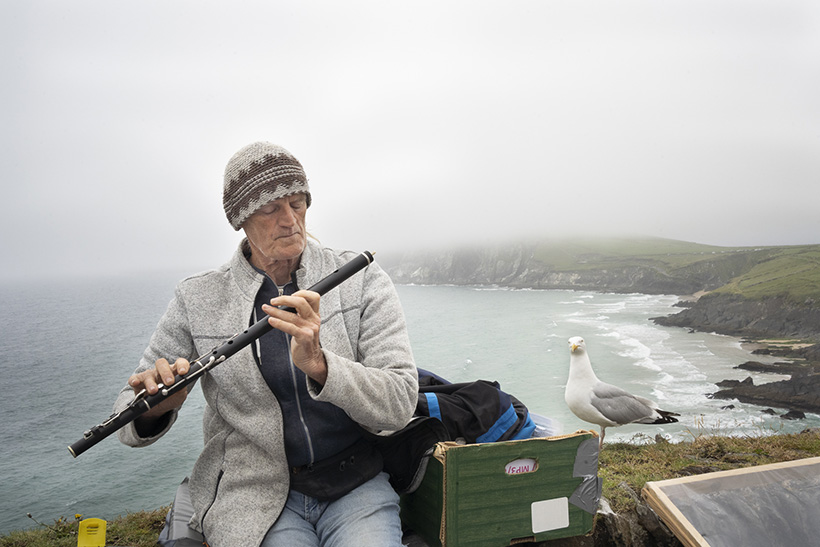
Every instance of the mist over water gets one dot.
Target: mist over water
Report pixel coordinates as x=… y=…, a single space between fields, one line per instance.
x=67 y=349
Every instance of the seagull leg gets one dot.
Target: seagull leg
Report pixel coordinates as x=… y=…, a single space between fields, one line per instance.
x=601 y=440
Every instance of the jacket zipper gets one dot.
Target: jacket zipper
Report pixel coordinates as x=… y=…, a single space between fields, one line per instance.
x=257 y=352
x=294 y=381
x=213 y=501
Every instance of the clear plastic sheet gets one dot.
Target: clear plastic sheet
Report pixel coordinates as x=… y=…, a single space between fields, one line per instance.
x=776 y=504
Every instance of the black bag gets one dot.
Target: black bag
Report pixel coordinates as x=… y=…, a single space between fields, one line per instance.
x=473 y=412
x=334 y=477
x=477 y=412
x=407 y=451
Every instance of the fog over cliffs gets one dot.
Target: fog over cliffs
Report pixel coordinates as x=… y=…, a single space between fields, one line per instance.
x=668 y=268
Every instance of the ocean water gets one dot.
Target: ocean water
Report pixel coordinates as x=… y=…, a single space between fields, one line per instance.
x=68 y=347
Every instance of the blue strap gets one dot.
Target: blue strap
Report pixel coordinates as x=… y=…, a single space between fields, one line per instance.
x=526 y=430
x=506 y=421
x=432 y=406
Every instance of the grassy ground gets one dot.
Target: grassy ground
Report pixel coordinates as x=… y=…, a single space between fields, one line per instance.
x=139 y=529
x=795 y=273
x=631 y=463
x=637 y=464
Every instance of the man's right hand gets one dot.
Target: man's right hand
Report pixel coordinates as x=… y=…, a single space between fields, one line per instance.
x=162 y=373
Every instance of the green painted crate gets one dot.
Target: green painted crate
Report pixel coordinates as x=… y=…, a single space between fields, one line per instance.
x=468 y=498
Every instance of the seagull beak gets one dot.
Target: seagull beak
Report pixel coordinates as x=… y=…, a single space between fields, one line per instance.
x=573 y=347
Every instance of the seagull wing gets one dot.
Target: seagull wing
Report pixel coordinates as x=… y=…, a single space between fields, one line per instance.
x=620 y=406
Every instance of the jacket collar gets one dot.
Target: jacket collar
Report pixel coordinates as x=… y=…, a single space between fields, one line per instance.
x=249 y=280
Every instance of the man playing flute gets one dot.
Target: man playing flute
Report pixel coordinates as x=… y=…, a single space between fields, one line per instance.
x=286 y=458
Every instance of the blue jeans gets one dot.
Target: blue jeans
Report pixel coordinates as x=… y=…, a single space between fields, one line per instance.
x=366 y=516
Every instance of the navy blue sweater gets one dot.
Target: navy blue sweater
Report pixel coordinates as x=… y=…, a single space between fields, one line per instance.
x=313 y=430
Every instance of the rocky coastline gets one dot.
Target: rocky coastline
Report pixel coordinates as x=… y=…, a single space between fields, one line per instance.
x=776 y=326
x=519 y=266
x=734 y=315
x=798 y=394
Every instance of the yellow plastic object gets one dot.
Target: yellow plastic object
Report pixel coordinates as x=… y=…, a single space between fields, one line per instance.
x=92 y=533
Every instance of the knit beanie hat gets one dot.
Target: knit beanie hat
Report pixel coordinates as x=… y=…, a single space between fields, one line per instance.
x=258 y=174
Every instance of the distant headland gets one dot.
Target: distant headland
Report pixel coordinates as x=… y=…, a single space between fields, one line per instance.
x=749 y=292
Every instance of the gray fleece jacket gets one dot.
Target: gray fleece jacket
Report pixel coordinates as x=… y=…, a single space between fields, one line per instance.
x=240 y=481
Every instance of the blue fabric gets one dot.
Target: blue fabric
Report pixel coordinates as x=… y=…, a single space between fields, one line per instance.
x=424 y=372
x=506 y=421
x=526 y=430
x=432 y=406
x=477 y=411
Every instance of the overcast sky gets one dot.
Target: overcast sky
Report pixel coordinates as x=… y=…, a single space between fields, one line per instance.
x=418 y=123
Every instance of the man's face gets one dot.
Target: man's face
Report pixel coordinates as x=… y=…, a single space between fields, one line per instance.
x=277 y=230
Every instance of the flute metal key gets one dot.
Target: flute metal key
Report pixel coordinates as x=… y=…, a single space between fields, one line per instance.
x=143 y=402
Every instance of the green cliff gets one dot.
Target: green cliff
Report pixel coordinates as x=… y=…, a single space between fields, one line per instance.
x=749 y=291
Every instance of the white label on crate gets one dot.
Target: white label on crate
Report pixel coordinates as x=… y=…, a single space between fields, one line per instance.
x=550 y=515
x=523 y=465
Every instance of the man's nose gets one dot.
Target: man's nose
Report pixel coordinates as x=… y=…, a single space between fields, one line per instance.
x=288 y=216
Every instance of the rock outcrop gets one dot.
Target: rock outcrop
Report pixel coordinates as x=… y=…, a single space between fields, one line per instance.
x=640 y=527
x=799 y=394
x=737 y=316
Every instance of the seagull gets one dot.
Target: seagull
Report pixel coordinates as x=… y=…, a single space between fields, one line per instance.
x=603 y=404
